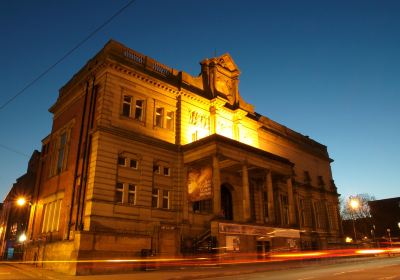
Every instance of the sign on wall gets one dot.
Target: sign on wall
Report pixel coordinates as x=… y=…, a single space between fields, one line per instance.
x=200 y=183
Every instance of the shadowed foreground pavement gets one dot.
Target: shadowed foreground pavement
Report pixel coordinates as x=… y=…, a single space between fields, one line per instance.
x=344 y=268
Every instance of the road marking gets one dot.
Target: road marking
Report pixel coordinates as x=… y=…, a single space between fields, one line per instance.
x=305 y=278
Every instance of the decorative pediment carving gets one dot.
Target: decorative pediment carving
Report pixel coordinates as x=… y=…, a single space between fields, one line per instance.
x=221 y=79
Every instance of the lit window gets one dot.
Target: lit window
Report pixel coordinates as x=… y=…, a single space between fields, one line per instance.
x=51 y=216
x=139 y=110
x=132 y=194
x=169 y=120
x=159 y=117
x=165 y=199
x=154 y=198
x=133 y=163
x=119 y=191
x=121 y=161
x=167 y=171
x=126 y=106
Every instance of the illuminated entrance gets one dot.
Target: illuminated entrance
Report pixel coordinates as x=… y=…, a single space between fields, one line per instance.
x=226 y=201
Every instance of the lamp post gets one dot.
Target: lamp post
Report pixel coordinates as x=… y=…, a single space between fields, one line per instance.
x=354 y=204
x=22 y=202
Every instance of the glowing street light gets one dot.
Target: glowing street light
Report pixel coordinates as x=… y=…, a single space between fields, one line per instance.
x=354 y=204
x=22 y=238
x=21 y=201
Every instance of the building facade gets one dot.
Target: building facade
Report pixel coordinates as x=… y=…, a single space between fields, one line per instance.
x=386 y=220
x=14 y=217
x=142 y=156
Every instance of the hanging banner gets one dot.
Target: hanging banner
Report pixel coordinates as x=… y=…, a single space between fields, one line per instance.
x=199 y=183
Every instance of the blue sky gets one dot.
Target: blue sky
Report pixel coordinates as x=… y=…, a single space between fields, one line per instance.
x=327 y=69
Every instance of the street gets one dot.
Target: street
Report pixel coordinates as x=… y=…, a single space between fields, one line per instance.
x=361 y=268
x=379 y=269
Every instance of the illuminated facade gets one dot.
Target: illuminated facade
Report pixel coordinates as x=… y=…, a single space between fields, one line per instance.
x=142 y=156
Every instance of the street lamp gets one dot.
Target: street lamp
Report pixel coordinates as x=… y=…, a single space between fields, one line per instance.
x=354 y=204
x=21 y=201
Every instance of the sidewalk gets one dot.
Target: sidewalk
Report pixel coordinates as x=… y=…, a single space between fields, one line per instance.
x=186 y=273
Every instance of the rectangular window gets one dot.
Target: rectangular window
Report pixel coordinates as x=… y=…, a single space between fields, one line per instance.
x=121 y=161
x=132 y=194
x=169 y=122
x=45 y=217
x=133 y=163
x=165 y=199
x=119 y=193
x=307 y=177
x=167 y=171
x=154 y=198
x=126 y=106
x=203 y=206
x=285 y=209
x=51 y=216
x=157 y=169
x=321 y=182
x=159 y=117
x=61 y=152
x=139 y=110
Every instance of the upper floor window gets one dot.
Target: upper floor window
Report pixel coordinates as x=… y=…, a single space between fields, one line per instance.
x=133 y=164
x=169 y=122
x=126 y=105
x=139 y=110
x=167 y=171
x=307 y=177
x=121 y=161
x=132 y=107
x=159 y=117
x=165 y=199
x=125 y=193
x=321 y=182
x=119 y=192
x=131 y=194
x=61 y=152
x=154 y=198
x=128 y=161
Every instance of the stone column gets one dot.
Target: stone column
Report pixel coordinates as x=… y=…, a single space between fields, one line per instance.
x=292 y=218
x=246 y=193
x=270 y=195
x=216 y=186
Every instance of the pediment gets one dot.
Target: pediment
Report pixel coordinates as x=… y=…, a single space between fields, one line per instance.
x=226 y=61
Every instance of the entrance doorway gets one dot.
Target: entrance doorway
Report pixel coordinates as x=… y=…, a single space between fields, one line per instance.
x=226 y=202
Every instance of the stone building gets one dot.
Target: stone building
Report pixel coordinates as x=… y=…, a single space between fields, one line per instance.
x=142 y=156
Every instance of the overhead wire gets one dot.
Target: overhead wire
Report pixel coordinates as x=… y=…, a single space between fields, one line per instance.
x=68 y=53
x=12 y=98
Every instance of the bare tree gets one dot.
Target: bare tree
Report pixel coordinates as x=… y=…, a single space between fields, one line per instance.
x=355 y=206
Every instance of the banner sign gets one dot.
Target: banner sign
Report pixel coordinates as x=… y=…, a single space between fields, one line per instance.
x=199 y=183
x=258 y=230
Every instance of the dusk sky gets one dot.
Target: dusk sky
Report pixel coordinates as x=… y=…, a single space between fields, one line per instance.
x=326 y=69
